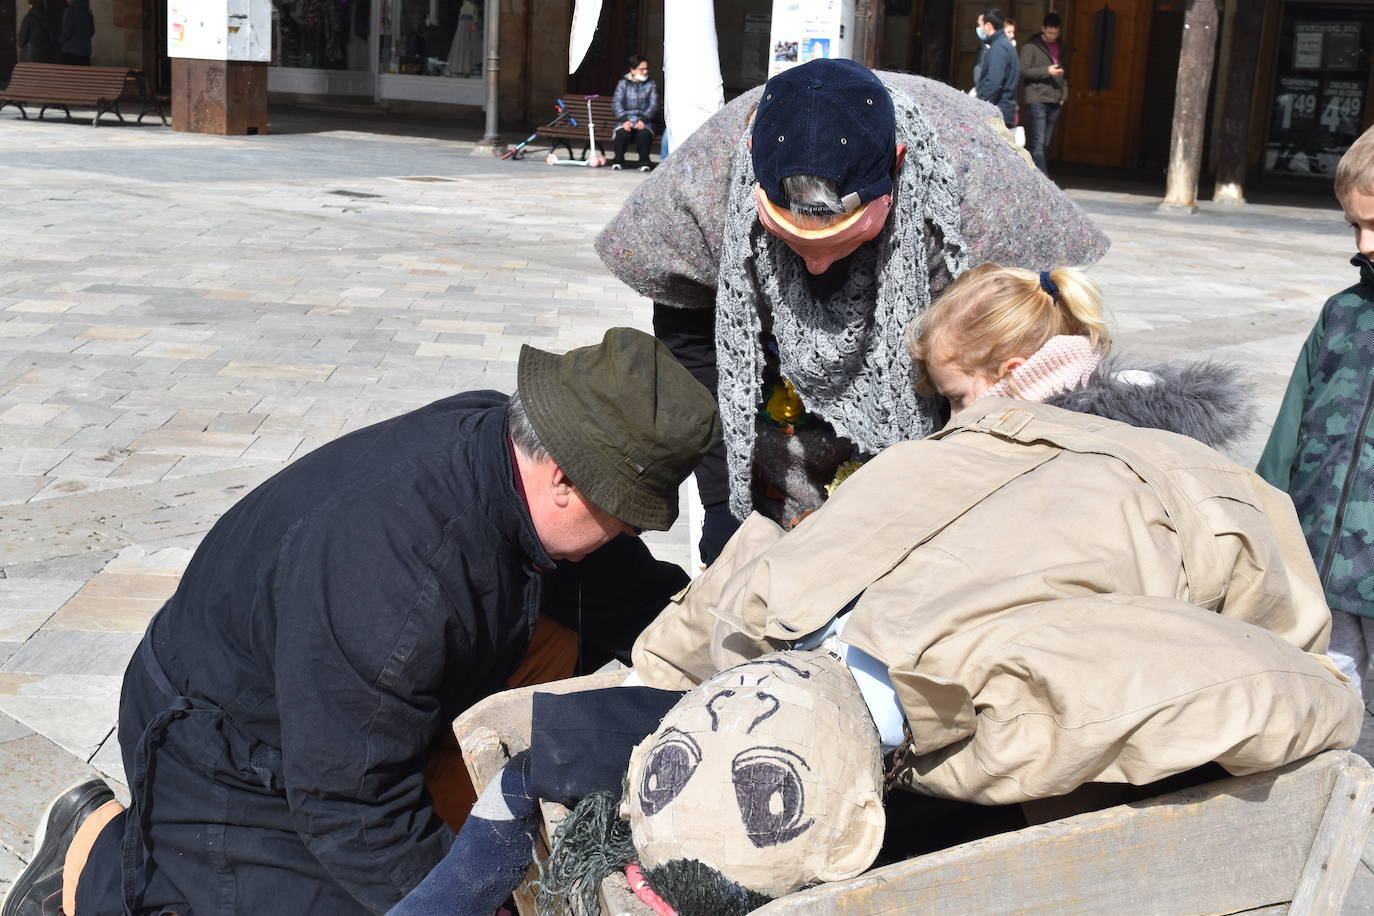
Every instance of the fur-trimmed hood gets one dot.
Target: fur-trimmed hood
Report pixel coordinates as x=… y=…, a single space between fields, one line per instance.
x=1207 y=401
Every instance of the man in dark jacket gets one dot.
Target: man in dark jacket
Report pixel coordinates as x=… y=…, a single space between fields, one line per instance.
x=35 y=44
x=276 y=719
x=1000 y=73
x=1046 y=87
x=78 y=28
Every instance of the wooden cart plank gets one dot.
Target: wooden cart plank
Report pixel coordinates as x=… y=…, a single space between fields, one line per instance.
x=1336 y=850
x=1229 y=846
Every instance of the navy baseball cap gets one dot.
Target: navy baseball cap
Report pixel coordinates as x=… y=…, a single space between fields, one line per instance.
x=829 y=118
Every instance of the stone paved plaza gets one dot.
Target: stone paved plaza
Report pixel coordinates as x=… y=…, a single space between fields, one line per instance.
x=181 y=315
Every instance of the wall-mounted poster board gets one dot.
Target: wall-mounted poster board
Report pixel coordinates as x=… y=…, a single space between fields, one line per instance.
x=238 y=30
x=804 y=30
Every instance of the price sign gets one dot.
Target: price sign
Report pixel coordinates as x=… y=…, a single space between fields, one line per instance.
x=1342 y=104
x=1296 y=102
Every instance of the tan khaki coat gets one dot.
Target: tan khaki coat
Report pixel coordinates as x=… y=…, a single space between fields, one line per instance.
x=1059 y=599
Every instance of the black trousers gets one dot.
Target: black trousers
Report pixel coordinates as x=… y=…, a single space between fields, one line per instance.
x=643 y=139
x=76 y=60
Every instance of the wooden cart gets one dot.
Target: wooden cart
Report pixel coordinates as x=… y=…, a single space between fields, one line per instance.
x=1286 y=841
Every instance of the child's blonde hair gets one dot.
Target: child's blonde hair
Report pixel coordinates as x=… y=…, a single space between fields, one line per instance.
x=1355 y=171
x=991 y=314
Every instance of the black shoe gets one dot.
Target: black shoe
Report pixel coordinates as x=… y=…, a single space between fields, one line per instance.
x=38 y=889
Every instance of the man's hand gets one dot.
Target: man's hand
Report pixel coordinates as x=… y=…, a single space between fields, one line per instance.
x=628 y=126
x=639 y=125
x=1056 y=70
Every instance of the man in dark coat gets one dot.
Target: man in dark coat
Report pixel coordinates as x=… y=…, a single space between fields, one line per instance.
x=1046 y=87
x=1000 y=72
x=35 y=44
x=78 y=28
x=275 y=721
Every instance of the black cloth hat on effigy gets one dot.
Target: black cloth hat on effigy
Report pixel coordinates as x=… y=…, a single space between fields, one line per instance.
x=829 y=118
x=623 y=419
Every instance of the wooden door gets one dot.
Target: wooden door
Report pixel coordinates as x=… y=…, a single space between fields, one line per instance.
x=9 y=29
x=1106 y=45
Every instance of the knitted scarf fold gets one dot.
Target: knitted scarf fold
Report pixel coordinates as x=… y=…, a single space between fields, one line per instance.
x=1062 y=363
x=845 y=356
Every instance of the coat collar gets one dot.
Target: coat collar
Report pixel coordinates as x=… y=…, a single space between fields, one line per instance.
x=492 y=466
x=1366 y=269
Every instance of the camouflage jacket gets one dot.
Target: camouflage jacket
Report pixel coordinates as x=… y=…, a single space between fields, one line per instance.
x=1321 y=449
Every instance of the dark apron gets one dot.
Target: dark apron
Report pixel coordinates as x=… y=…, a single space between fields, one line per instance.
x=209 y=830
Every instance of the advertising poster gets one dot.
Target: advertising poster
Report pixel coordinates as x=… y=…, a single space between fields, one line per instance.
x=803 y=31
x=813 y=48
x=1319 y=96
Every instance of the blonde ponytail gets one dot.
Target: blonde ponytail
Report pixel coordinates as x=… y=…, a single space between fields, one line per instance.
x=993 y=313
x=1081 y=300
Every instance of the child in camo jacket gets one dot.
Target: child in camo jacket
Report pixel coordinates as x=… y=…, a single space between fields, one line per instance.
x=1321 y=450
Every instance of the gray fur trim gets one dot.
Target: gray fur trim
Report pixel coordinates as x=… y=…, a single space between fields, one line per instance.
x=1207 y=401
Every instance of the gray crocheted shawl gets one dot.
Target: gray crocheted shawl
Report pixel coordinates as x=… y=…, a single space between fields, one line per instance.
x=844 y=355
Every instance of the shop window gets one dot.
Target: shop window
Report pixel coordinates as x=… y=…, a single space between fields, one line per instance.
x=1321 y=88
x=321 y=34
x=431 y=38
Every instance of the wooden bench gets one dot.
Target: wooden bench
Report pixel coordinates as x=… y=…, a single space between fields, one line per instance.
x=61 y=86
x=565 y=132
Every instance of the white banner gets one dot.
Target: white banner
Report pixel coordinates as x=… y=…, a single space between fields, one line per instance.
x=691 y=67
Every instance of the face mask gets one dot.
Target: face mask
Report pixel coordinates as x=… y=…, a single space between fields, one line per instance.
x=978 y=30
x=822 y=247
x=637 y=77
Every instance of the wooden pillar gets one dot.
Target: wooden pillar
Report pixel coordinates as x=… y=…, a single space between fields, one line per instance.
x=1190 y=103
x=219 y=96
x=1233 y=144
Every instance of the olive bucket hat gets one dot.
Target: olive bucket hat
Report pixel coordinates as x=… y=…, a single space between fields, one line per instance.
x=623 y=419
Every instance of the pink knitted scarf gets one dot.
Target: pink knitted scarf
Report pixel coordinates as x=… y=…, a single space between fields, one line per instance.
x=1062 y=364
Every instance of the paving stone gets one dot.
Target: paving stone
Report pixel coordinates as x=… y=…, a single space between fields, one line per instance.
x=33 y=771
x=11 y=730
x=66 y=653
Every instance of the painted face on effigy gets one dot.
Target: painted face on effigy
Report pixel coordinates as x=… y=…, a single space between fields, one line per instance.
x=770 y=773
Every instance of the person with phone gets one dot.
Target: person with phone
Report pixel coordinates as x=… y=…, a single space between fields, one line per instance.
x=1046 y=86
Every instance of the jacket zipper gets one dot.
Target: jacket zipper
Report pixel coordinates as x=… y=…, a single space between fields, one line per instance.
x=1339 y=522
